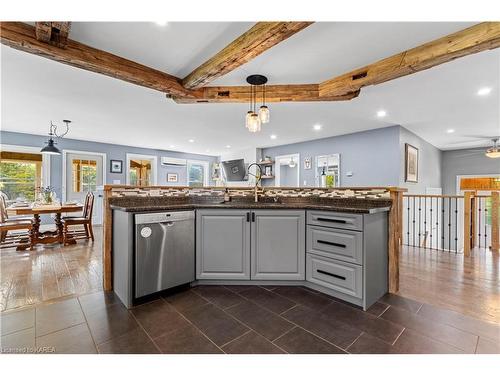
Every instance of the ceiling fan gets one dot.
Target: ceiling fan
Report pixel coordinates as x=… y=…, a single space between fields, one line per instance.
x=491 y=152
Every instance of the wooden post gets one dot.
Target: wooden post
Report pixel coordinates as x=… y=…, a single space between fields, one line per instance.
x=395 y=230
x=467 y=218
x=495 y=222
x=107 y=242
x=473 y=219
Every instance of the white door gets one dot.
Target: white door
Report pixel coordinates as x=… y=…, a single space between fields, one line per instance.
x=84 y=174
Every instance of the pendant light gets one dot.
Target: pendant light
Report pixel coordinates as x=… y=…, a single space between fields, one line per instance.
x=254 y=119
x=292 y=163
x=263 y=110
x=51 y=149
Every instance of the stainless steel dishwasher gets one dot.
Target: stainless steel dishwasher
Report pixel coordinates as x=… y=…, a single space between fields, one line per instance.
x=164 y=251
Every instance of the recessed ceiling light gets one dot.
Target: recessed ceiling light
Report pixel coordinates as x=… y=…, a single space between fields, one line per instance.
x=381 y=113
x=483 y=91
x=274 y=136
x=449 y=131
x=191 y=140
x=161 y=23
x=173 y=146
x=228 y=146
x=317 y=127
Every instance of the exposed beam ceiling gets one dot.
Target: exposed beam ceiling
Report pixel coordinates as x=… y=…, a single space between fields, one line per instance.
x=480 y=37
x=261 y=37
x=55 y=33
x=22 y=36
x=274 y=94
x=33 y=40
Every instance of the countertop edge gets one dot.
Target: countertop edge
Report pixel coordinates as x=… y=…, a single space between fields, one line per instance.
x=264 y=206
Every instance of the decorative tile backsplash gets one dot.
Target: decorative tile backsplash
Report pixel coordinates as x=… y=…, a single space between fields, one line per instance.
x=168 y=191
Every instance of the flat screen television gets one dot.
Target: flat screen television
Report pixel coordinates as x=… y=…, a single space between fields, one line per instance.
x=235 y=170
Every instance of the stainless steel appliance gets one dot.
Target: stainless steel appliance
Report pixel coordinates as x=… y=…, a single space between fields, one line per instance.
x=164 y=251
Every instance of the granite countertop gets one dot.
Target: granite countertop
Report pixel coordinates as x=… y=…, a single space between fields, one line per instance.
x=348 y=205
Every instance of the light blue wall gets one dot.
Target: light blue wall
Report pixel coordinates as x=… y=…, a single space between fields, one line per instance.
x=429 y=163
x=466 y=162
x=113 y=152
x=372 y=156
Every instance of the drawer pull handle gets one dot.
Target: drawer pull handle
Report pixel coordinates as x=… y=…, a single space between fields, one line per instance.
x=331 y=274
x=331 y=243
x=332 y=220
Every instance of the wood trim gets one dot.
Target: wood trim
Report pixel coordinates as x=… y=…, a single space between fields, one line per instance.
x=22 y=36
x=261 y=37
x=467 y=222
x=274 y=94
x=478 y=38
x=495 y=221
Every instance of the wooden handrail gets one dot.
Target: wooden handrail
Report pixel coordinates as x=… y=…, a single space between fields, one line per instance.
x=432 y=196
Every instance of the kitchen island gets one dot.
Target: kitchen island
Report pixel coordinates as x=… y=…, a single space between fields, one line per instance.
x=336 y=245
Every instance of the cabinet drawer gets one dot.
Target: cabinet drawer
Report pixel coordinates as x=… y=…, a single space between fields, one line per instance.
x=340 y=276
x=335 y=220
x=346 y=245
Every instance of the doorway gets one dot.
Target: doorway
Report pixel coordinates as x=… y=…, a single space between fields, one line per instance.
x=287 y=172
x=141 y=170
x=83 y=173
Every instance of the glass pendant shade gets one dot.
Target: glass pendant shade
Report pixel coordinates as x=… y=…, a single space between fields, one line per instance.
x=254 y=123
x=292 y=163
x=264 y=114
x=248 y=119
x=50 y=148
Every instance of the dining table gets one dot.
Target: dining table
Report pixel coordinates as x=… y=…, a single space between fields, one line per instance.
x=35 y=210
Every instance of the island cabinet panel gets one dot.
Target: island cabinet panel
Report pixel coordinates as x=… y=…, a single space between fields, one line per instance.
x=223 y=244
x=346 y=245
x=335 y=220
x=278 y=245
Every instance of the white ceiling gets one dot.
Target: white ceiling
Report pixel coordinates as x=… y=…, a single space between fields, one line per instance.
x=36 y=90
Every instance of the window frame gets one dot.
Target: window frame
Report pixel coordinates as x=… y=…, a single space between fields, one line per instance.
x=46 y=164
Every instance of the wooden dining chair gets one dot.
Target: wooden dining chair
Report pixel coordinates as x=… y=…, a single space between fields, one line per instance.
x=14 y=232
x=85 y=220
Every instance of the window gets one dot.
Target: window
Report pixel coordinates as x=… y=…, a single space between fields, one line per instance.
x=20 y=175
x=197 y=172
x=84 y=175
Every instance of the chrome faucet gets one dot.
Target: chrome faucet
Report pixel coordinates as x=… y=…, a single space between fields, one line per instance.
x=258 y=178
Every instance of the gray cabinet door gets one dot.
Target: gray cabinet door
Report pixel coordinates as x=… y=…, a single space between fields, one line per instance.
x=278 y=245
x=222 y=244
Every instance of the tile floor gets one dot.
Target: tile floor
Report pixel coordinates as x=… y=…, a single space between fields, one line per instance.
x=243 y=319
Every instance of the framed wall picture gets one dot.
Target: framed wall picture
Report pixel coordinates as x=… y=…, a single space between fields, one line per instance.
x=411 y=160
x=116 y=166
x=307 y=162
x=172 y=177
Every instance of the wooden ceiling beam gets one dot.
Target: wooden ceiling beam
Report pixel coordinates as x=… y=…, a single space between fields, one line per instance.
x=55 y=33
x=274 y=94
x=478 y=38
x=261 y=37
x=22 y=36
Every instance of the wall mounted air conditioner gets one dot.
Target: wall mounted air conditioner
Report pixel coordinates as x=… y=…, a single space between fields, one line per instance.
x=173 y=161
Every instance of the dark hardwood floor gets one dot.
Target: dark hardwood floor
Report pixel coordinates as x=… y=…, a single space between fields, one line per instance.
x=469 y=286
x=50 y=272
